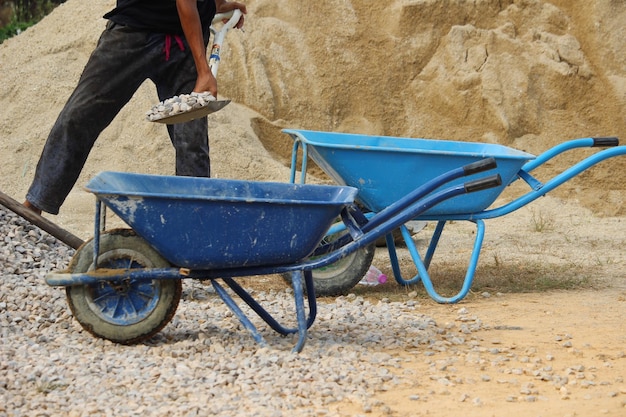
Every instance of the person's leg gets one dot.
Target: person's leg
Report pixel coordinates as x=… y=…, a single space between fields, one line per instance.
x=191 y=143
x=115 y=70
x=190 y=139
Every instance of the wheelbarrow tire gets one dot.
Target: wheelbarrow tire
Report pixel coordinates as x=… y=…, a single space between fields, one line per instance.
x=123 y=312
x=340 y=277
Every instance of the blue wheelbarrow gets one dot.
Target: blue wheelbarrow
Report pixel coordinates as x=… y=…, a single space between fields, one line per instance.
x=384 y=168
x=124 y=285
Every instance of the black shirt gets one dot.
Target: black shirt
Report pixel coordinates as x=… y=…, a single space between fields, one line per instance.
x=159 y=16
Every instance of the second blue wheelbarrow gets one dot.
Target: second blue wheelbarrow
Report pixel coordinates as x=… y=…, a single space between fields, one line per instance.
x=124 y=285
x=384 y=168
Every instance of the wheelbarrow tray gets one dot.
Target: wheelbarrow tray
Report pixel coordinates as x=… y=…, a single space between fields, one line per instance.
x=384 y=169
x=205 y=223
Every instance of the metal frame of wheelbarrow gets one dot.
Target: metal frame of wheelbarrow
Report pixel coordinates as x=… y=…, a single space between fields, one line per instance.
x=362 y=233
x=538 y=189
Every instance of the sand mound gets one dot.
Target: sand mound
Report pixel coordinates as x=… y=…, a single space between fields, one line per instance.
x=528 y=74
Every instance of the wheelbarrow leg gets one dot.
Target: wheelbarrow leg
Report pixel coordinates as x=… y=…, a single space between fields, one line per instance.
x=296 y=279
x=422 y=265
x=303 y=322
x=434 y=241
x=265 y=315
x=245 y=321
x=393 y=257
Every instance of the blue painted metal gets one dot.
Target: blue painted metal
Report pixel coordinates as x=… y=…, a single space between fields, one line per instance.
x=226 y=271
x=245 y=321
x=266 y=316
x=380 y=166
x=385 y=169
x=96 y=243
x=294 y=163
x=365 y=232
x=201 y=223
x=212 y=229
x=422 y=264
x=403 y=204
x=546 y=187
x=296 y=282
x=105 y=274
x=557 y=150
x=127 y=301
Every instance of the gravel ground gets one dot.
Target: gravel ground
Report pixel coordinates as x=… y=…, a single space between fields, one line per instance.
x=556 y=354
x=203 y=362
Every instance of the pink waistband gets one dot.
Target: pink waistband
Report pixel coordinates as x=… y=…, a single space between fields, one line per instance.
x=168 y=45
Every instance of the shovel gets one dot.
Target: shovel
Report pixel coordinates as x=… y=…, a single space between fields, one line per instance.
x=214 y=62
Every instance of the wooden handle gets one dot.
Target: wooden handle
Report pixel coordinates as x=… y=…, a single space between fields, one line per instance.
x=63 y=235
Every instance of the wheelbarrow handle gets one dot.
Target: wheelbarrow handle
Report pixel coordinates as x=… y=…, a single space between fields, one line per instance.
x=605 y=141
x=608 y=141
x=480 y=166
x=491 y=181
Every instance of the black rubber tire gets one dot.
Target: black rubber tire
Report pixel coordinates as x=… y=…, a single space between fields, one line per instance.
x=340 y=277
x=157 y=299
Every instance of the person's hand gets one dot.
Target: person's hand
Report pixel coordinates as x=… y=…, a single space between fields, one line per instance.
x=227 y=6
x=206 y=82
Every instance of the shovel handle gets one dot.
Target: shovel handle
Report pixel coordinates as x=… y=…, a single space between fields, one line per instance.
x=231 y=17
x=218 y=40
x=44 y=224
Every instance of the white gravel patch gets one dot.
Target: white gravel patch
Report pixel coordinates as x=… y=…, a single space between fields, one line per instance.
x=178 y=104
x=204 y=362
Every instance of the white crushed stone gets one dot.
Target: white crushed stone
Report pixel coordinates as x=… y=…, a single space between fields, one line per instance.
x=178 y=104
x=204 y=362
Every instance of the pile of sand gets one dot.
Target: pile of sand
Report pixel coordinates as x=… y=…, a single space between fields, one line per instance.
x=525 y=73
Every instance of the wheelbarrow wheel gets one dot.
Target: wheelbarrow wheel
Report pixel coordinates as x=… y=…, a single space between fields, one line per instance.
x=128 y=311
x=340 y=277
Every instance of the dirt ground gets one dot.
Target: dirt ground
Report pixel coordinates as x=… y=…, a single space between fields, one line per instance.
x=550 y=297
x=542 y=353
x=535 y=341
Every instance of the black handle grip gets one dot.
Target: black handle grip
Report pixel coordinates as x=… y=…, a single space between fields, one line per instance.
x=483 y=183
x=480 y=166
x=606 y=142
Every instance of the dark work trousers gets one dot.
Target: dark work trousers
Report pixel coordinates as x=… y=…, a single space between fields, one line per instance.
x=123 y=59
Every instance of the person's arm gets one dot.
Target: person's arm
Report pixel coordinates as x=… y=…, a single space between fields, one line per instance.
x=192 y=28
